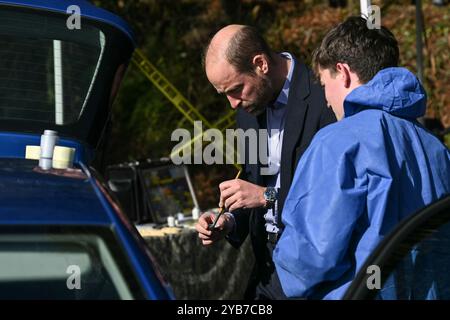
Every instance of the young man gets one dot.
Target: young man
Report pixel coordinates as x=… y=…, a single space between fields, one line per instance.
x=270 y=91
x=363 y=174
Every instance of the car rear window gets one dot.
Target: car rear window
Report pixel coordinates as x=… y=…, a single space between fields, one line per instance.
x=46 y=70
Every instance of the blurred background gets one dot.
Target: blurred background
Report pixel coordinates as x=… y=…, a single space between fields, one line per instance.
x=172 y=35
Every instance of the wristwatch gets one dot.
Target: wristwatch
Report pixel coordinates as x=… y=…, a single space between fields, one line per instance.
x=270 y=195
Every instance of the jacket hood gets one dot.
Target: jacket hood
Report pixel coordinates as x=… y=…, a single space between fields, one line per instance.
x=394 y=90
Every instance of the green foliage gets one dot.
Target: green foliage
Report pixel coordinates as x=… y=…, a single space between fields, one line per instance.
x=172 y=34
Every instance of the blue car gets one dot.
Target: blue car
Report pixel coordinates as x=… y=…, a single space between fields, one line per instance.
x=62 y=236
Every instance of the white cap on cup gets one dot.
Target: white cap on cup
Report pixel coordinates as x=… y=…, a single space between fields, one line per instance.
x=195 y=213
x=171 y=221
x=48 y=142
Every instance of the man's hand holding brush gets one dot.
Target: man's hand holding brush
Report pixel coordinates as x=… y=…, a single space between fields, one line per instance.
x=224 y=225
x=234 y=194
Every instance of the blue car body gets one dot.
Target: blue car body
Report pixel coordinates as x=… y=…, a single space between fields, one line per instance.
x=54 y=203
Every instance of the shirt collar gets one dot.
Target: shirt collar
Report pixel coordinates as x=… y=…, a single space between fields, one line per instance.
x=282 y=98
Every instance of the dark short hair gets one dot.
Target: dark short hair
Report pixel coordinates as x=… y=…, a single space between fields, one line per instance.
x=366 y=51
x=243 y=46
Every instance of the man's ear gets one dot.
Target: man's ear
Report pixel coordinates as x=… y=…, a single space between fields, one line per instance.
x=343 y=71
x=261 y=64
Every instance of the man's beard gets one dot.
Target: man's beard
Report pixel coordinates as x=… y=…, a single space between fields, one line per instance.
x=264 y=94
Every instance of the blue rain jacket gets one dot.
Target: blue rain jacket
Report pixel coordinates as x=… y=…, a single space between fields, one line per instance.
x=356 y=181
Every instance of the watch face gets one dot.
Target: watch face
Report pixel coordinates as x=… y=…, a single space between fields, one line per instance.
x=270 y=194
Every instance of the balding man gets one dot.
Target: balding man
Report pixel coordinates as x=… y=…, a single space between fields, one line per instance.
x=272 y=91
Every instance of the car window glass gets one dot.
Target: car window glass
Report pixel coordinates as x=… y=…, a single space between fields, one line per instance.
x=421 y=267
x=59 y=266
x=46 y=70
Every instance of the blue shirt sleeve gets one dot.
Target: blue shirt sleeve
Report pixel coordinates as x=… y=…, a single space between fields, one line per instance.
x=326 y=198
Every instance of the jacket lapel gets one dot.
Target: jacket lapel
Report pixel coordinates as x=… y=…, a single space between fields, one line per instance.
x=249 y=121
x=295 y=116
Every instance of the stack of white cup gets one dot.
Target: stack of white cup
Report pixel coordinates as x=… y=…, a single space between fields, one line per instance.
x=48 y=141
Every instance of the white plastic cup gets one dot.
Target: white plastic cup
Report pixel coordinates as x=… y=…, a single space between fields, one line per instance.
x=48 y=141
x=195 y=213
x=180 y=217
x=171 y=221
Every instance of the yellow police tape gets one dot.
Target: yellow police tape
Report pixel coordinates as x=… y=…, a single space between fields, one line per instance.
x=180 y=102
